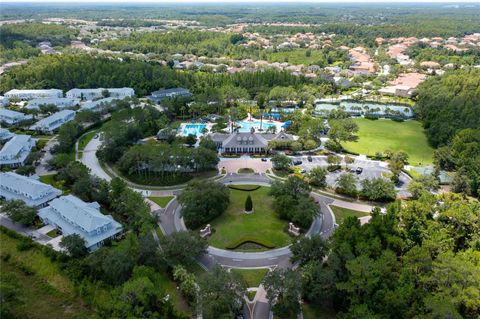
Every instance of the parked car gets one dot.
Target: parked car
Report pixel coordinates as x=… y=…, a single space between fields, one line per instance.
x=297 y=162
x=309 y=158
x=264 y=159
x=359 y=170
x=303 y=171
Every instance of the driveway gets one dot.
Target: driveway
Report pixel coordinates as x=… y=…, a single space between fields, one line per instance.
x=232 y=165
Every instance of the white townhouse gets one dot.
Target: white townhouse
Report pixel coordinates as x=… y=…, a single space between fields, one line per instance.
x=13 y=117
x=3 y=100
x=28 y=189
x=15 y=152
x=5 y=134
x=97 y=105
x=54 y=121
x=34 y=94
x=91 y=94
x=71 y=215
x=59 y=102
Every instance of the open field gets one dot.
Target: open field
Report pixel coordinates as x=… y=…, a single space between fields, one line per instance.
x=45 y=292
x=342 y=213
x=380 y=135
x=262 y=226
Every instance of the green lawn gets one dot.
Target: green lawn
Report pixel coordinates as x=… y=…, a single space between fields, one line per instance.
x=50 y=179
x=161 y=201
x=342 y=213
x=297 y=56
x=253 y=277
x=85 y=138
x=380 y=135
x=263 y=226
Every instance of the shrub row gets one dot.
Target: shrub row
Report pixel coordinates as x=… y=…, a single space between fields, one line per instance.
x=245 y=188
x=243 y=240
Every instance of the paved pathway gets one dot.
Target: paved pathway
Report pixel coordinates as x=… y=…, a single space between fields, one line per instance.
x=89 y=158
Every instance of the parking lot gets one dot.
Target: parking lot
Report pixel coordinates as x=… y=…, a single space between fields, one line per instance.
x=370 y=169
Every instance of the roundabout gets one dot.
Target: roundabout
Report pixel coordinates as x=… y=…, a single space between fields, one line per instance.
x=170 y=219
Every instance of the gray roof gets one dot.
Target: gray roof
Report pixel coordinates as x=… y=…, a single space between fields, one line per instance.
x=173 y=91
x=17 y=149
x=14 y=115
x=31 y=191
x=75 y=216
x=245 y=139
x=54 y=121
x=92 y=105
x=5 y=134
x=57 y=101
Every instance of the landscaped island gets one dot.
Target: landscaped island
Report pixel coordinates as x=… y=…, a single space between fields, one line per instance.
x=260 y=230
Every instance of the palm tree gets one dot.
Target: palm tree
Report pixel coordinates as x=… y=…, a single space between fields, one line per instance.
x=261 y=105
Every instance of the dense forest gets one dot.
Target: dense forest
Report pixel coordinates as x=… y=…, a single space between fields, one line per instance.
x=19 y=41
x=83 y=71
x=419 y=260
x=449 y=103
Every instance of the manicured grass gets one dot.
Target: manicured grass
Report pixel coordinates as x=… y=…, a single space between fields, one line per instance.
x=262 y=226
x=53 y=233
x=314 y=312
x=253 y=277
x=246 y=170
x=50 y=179
x=380 y=135
x=297 y=56
x=85 y=138
x=342 y=213
x=46 y=293
x=161 y=201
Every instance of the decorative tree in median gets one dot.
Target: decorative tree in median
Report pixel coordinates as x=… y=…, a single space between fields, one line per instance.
x=248 y=204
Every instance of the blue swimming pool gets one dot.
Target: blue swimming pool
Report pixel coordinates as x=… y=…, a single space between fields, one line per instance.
x=194 y=129
x=245 y=126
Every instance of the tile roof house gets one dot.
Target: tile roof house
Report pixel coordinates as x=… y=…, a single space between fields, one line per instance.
x=5 y=134
x=33 y=192
x=32 y=94
x=54 y=121
x=71 y=215
x=15 y=152
x=13 y=117
x=60 y=102
x=90 y=94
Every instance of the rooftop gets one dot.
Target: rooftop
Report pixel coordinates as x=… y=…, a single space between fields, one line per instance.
x=28 y=189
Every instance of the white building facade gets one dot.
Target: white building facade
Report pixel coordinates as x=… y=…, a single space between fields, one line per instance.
x=60 y=102
x=15 y=152
x=91 y=94
x=34 y=94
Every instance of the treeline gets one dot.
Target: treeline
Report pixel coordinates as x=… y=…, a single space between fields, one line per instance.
x=84 y=71
x=421 y=52
x=419 y=260
x=35 y=32
x=201 y=43
x=448 y=104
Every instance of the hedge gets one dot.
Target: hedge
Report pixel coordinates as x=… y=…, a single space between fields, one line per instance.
x=245 y=188
x=243 y=240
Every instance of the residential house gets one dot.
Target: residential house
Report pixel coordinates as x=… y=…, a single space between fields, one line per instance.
x=5 y=134
x=91 y=94
x=33 y=94
x=97 y=105
x=54 y=121
x=71 y=215
x=3 y=100
x=162 y=94
x=15 y=152
x=13 y=117
x=28 y=189
x=61 y=102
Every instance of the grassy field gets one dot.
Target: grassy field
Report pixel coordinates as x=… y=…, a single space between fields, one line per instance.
x=50 y=179
x=380 y=135
x=161 y=201
x=342 y=213
x=262 y=225
x=297 y=56
x=45 y=293
x=253 y=277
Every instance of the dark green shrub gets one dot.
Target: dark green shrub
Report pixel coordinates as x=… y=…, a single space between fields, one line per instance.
x=248 y=204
